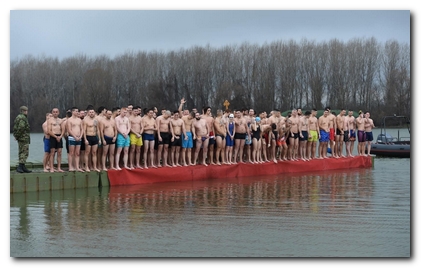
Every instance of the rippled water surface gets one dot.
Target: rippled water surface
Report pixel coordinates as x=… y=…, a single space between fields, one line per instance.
x=347 y=213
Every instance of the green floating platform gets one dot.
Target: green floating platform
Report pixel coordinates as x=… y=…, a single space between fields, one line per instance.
x=38 y=180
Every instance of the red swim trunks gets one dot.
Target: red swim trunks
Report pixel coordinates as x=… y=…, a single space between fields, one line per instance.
x=332 y=134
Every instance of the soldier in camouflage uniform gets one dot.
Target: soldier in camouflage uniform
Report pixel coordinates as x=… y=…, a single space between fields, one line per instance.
x=21 y=133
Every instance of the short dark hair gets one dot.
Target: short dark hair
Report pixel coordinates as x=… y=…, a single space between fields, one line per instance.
x=100 y=109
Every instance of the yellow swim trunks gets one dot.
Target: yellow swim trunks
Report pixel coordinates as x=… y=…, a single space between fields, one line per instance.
x=312 y=135
x=134 y=140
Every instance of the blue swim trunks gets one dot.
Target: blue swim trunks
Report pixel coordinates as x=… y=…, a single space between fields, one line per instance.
x=324 y=136
x=187 y=143
x=148 y=137
x=122 y=142
x=369 y=136
x=46 y=145
x=73 y=142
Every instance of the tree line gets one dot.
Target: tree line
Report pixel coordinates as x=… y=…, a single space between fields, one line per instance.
x=358 y=74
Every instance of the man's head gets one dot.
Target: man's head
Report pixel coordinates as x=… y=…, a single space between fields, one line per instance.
x=24 y=109
x=197 y=116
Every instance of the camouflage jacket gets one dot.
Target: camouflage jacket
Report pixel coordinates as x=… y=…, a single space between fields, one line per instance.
x=21 y=129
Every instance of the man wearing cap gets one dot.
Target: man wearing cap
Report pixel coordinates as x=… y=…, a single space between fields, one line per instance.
x=21 y=131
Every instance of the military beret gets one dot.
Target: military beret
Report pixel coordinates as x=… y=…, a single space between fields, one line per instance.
x=24 y=108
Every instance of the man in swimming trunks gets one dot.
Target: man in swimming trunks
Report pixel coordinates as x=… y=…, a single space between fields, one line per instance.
x=187 y=139
x=100 y=116
x=123 y=127
x=164 y=137
x=304 y=129
x=75 y=131
x=178 y=129
x=324 y=133
x=314 y=134
x=368 y=127
x=350 y=123
x=90 y=134
x=332 y=129
x=293 y=121
x=108 y=133
x=220 y=127
x=149 y=128
x=201 y=132
x=209 y=121
x=275 y=118
x=360 y=122
x=136 y=130
x=56 y=132
x=46 y=140
x=340 y=133
x=241 y=130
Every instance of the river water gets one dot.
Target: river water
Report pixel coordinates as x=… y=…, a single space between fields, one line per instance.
x=344 y=213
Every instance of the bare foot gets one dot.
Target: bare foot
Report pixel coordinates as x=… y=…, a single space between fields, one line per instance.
x=60 y=170
x=45 y=170
x=104 y=169
x=80 y=170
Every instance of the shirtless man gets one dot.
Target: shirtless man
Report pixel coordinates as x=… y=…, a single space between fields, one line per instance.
x=201 y=132
x=56 y=132
x=90 y=134
x=100 y=116
x=149 y=128
x=129 y=110
x=177 y=129
x=360 y=122
x=313 y=134
x=220 y=126
x=123 y=126
x=75 y=131
x=210 y=122
x=332 y=129
x=340 y=133
x=241 y=130
x=349 y=138
x=187 y=138
x=294 y=121
x=275 y=118
x=304 y=129
x=368 y=127
x=136 y=143
x=108 y=133
x=263 y=145
x=250 y=117
x=164 y=137
x=46 y=140
x=324 y=133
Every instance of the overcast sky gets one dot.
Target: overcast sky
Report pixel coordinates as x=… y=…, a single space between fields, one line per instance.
x=67 y=33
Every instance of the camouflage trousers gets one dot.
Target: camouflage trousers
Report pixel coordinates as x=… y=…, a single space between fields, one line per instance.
x=23 y=152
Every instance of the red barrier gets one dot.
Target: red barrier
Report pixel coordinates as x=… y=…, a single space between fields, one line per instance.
x=200 y=172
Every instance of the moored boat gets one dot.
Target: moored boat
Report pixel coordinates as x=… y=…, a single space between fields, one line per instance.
x=389 y=146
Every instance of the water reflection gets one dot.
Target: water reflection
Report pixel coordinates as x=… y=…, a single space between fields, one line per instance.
x=330 y=192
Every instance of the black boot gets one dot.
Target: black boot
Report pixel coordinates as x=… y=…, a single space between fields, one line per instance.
x=20 y=168
x=25 y=169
